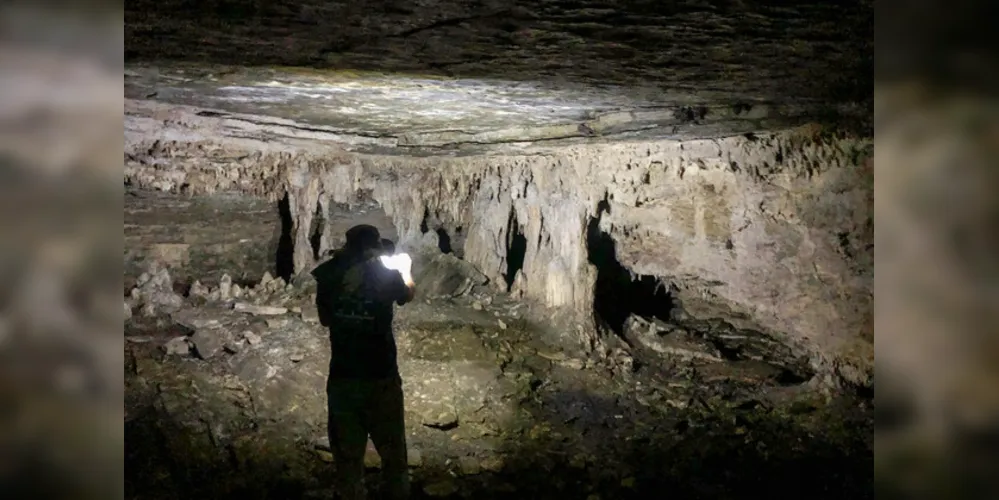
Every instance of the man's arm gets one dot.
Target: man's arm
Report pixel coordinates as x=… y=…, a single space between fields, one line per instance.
x=402 y=291
x=325 y=315
x=324 y=294
x=410 y=292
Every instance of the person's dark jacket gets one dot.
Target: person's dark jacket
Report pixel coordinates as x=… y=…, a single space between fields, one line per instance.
x=354 y=299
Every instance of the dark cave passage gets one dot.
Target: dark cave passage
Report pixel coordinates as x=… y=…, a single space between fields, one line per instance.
x=443 y=240
x=617 y=295
x=316 y=231
x=447 y=242
x=424 y=224
x=284 y=265
x=516 y=250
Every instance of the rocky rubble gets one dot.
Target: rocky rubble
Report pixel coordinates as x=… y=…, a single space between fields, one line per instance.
x=154 y=293
x=670 y=340
x=713 y=341
x=489 y=407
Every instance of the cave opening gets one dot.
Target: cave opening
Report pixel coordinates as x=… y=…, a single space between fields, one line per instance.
x=284 y=266
x=443 y=241
x=446 y=242
x=516 y=250
x=619 y=293
x=316 y=231
x=424 y=226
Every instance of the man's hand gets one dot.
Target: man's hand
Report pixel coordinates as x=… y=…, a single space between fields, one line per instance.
x=400 y=262
x=410 y=293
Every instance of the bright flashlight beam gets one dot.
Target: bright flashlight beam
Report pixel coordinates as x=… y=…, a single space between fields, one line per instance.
x=401 y=262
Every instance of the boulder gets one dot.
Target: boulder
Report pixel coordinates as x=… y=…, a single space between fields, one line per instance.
x=444 y=275
x=669 y=340
x=209 y=342
x=177 y=346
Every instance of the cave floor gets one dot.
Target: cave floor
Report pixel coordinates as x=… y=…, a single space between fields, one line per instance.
x=493 y=411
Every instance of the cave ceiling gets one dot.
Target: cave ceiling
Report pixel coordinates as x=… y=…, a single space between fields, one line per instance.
x=412 y=76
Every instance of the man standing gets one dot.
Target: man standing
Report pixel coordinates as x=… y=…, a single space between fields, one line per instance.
x=355 y=297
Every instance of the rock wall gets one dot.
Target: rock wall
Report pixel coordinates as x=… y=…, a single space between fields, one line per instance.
x=777 y=228
x=200 y=237
x=773 y=230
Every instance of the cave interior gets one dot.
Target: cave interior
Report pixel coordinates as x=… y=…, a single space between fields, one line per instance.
x=617 y=215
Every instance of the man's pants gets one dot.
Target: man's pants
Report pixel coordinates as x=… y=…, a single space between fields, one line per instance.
x=358 y=408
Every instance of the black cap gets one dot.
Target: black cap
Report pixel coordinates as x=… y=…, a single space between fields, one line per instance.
x=363 y=237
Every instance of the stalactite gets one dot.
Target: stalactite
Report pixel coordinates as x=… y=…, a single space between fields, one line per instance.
x=327 y=240
x=811 y=190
